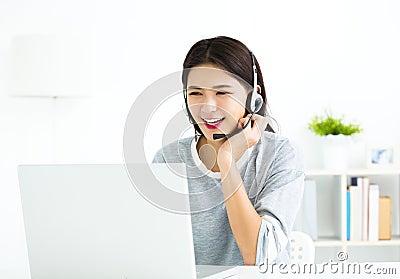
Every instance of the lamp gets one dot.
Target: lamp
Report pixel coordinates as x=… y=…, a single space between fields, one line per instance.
x=44 y=65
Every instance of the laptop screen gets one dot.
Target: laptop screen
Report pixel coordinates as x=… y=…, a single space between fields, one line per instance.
x=88 y=221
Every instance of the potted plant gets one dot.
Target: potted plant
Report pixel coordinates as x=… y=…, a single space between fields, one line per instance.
x=336 y=137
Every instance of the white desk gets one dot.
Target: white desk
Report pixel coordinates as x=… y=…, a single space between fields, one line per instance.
x=253 y=272
x=332 y=269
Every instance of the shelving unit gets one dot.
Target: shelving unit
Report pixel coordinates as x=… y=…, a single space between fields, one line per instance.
x=331 y=188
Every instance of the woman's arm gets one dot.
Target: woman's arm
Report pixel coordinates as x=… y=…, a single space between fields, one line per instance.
x=243 y=218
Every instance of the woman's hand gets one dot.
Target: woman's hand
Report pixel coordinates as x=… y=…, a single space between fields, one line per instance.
x=232 y=149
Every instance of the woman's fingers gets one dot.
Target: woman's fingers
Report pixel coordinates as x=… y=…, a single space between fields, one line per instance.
x=260 y=121
x=253 y=131
x=243 y=121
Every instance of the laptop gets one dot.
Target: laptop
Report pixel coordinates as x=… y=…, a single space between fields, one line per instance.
x=89 y=221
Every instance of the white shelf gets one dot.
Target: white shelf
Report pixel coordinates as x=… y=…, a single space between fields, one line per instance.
x=328 y=242
x=334 y=242
x=395 y=241
x=354 y=172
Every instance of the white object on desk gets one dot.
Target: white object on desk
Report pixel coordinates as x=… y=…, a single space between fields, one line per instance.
x=306 y=220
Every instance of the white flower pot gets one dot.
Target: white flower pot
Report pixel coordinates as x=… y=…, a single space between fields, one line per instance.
x=334 y=151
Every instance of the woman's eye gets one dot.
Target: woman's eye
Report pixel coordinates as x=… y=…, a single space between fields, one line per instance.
x=194 y=93
x=222 y=93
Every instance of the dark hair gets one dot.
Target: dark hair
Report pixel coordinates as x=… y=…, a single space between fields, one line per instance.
x=232 y=56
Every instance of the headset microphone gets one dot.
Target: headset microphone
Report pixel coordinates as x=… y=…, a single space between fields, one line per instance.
x=258 y=105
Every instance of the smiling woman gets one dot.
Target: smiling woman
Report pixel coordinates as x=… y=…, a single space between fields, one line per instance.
x=228 y=95
x=246 y=182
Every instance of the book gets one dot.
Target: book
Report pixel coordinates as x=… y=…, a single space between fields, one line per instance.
x=348 y=214
x=385 y=218
x=356 y=210
x=373 y=212
x=364 y=207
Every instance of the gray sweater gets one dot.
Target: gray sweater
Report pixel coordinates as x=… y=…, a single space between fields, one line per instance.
x=273 y=176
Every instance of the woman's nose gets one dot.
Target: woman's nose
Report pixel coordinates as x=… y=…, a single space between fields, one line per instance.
x=209 y=105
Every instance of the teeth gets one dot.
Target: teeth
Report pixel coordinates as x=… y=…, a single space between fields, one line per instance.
x=212 y=121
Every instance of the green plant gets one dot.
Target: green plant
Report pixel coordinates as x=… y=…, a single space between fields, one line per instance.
x=329 y=125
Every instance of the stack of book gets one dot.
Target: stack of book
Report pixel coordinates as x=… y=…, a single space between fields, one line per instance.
x=368 y=213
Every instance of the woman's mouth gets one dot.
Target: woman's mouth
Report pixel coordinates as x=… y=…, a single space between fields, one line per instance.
x=213 y=123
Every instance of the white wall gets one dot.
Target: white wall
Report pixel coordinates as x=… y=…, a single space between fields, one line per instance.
x=314 y=54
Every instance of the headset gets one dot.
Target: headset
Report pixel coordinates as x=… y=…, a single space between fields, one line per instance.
x=254 y=102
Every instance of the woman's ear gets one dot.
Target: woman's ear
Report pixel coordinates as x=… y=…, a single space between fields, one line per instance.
x=258 y=89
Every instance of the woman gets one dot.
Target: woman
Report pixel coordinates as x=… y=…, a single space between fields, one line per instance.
x=257 y=173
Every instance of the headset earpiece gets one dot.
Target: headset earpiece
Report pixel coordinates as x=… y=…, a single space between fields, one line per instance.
x=258 y=104
x=254 y=102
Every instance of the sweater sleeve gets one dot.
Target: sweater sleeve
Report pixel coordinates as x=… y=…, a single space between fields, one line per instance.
x=271 y=241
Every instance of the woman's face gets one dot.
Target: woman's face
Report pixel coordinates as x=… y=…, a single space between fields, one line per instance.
x=216 y=99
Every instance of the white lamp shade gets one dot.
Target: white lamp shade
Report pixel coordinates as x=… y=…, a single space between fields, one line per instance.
x=48 y=66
